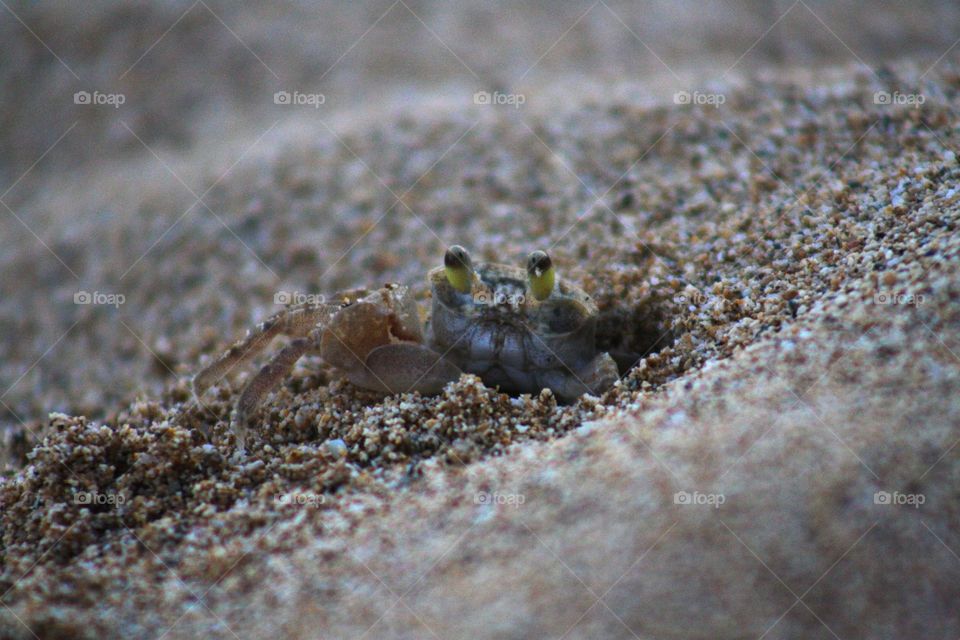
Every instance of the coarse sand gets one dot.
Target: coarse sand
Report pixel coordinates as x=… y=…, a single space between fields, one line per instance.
x=779 y=462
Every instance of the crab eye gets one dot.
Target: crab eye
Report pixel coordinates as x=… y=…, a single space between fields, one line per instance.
x=541 y=275
x=458 y=268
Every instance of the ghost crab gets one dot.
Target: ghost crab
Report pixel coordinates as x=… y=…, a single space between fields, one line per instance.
x=521 y=330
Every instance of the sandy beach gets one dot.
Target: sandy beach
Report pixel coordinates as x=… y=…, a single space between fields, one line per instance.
x=760 y=197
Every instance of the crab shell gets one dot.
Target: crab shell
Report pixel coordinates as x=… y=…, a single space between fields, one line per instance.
x=497 y=332
x=501 y=333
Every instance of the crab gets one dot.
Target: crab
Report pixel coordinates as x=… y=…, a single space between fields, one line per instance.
x=522 y=330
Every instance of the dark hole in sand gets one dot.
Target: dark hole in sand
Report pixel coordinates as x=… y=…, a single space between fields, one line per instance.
x=631 y=333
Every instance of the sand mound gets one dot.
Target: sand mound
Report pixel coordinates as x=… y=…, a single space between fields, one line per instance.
x=779 y=459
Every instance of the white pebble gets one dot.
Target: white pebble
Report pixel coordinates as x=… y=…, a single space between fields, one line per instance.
x=337 y=447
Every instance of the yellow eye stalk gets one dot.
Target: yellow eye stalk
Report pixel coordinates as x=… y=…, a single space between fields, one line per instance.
x=458 y=268
x=541 y=274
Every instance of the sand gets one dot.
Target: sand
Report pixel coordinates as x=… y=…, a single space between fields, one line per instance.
x=781 y=460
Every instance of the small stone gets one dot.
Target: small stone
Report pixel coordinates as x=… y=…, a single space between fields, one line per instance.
x=336 y=447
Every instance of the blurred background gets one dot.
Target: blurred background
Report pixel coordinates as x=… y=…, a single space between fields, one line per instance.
x=180 y=162
x=198 y=70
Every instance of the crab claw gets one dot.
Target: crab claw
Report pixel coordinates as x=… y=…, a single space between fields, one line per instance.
x=377 y=343
x=405 y=367
x=595 y=378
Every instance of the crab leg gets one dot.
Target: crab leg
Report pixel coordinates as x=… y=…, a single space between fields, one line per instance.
x=296 y=322
x=269 y=377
